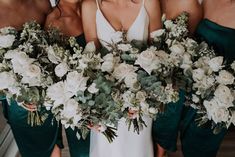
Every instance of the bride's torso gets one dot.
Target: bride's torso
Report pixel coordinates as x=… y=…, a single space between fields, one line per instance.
x=128 y=143
x=138 y=30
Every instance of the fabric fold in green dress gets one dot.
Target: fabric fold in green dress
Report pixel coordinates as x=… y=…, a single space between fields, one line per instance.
x=166 y=126
x=38 y=141
x=200 y=141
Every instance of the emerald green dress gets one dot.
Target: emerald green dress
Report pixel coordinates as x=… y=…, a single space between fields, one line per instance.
x=78 y=148
x=36 y=141
x=200 y=141
x=166 y=126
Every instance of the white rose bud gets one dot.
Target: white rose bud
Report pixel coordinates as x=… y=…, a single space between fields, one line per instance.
x=61 y=69
x=92 y=89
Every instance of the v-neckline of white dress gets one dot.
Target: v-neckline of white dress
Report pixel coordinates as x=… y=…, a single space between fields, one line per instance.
x=110 y=25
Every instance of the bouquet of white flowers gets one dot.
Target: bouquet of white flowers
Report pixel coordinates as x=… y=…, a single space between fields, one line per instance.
x=141 y=84
x=206 y=77
x=83 y=98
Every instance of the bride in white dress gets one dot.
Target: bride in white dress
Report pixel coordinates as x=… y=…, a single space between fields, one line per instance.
x=103 y=20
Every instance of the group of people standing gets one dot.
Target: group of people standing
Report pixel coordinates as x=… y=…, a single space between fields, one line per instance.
x=98 y=20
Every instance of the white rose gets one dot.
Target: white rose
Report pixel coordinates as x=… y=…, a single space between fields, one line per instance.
x=92 y=89
x=70 y=109
x=108 y=63
x=61 y=69
x=198 y=74
x=124 y=47
x=52 y=55
x=224 y=95
x=75 y=82
x=148 y=61
x=6 y=40
x=225 y=78
x=32 y=71
x=216 y=63
x=157 y=33
x=58 y=94
x=216 y=113
x=90 y=47
x=122 y=70
x=131 y=80
x=7 y=80
x=177 y=51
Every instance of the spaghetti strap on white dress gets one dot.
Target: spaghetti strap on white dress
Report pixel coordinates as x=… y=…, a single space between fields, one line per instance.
x=128 y=143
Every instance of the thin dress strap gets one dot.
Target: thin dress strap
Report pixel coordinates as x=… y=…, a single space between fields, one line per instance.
x=97 y=3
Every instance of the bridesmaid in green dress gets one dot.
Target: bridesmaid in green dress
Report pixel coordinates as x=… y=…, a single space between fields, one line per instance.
x=166 y=126
x=66 y=16
x=218 y=30
x=39 y=141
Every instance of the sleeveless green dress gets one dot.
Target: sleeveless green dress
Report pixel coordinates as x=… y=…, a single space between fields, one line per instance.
x=200 y=141
x=38 y=141
x=166 y=126
x=78 y=148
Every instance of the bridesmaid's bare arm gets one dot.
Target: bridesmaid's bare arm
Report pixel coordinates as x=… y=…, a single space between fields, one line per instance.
x=89 y=8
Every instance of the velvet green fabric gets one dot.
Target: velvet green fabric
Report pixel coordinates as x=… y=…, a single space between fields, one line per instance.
x=200 y=141
x=38 y=141
x=166 y=126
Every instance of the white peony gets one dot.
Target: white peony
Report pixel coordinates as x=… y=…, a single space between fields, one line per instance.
x=224 y=95
x=198 y=74
x=75 y=82
x=58 y=94
x=216 y=63
x=225 y=78
x=7 y=80
x=6 y=40
x=108 y=64
x=90 y=47
x=70 y=109
x=124 y=47
x=52 y=55
x=131 y=80
x=123 y=70
x=61 y=69
x=148 y=61
x=92 y=89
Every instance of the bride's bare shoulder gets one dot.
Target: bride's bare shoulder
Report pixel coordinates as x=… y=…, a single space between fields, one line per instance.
x=89 y=4
x=43 y=5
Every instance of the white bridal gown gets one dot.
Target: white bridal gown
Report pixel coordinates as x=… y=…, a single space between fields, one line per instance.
x=128 y=143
